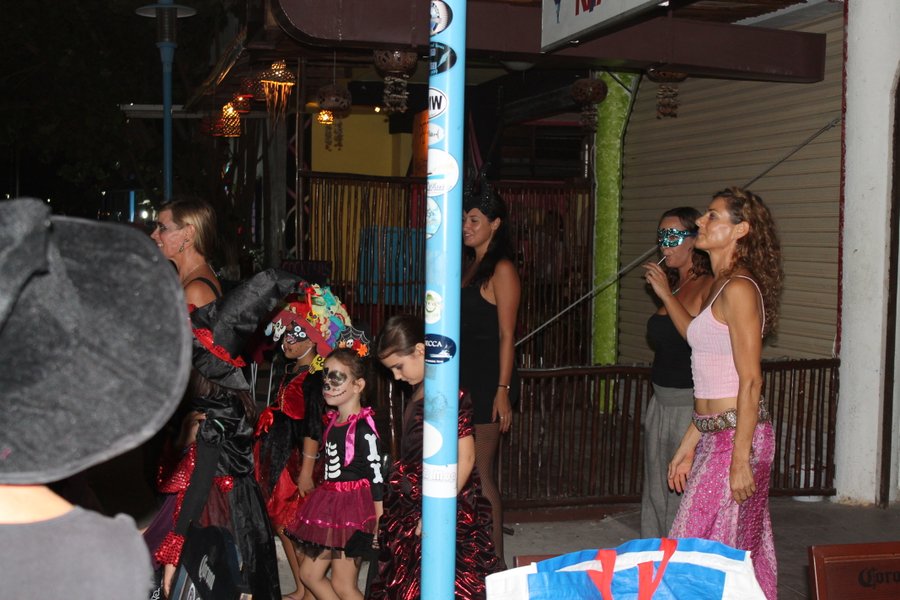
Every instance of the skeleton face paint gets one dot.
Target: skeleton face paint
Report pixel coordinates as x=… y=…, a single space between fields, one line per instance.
x=333 y=379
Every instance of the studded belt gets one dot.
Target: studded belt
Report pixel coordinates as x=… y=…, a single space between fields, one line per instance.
x=726 y=420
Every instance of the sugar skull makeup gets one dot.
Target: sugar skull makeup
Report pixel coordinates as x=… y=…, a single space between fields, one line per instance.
x=296 y=335
x=333 y=378
x=671 y=238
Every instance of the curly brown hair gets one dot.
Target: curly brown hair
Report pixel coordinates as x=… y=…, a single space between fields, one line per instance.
x=759 y=252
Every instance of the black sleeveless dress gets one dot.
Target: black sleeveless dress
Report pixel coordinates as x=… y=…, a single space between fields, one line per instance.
x=479 y=354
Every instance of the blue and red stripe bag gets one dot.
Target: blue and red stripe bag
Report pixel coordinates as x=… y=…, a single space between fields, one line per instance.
x=661 y=569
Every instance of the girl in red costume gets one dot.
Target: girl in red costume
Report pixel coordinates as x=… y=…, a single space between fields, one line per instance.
x=289 y=429
x=401 y=349
x=222 y=435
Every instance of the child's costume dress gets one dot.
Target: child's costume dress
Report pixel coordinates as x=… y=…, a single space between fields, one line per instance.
x=345 y=500
x=295 y=414
x=400 y=560
x=234 y=500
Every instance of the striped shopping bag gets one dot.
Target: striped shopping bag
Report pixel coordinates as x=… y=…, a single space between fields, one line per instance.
x=657 y=569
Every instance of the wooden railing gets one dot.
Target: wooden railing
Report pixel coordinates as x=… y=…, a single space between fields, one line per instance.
x=576 y=436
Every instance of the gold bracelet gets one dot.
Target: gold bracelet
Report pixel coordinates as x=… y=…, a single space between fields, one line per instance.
x=499 y=385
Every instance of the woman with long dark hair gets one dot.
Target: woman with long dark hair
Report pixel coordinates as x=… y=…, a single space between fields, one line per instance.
x=489 y=306
x=671 y=406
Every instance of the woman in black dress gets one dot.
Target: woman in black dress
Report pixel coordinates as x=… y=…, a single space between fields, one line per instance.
x=489 y=305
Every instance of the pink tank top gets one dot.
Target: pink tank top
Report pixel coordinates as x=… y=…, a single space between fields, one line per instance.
x=712 y=360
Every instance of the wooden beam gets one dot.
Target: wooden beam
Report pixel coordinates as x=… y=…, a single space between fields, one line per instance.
x=501 y=31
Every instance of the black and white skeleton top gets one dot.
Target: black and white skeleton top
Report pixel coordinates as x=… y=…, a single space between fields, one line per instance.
x=352 y=451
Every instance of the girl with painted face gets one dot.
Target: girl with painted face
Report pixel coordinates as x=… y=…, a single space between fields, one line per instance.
x=349 y=499
x=401 y=349
x=289 y=429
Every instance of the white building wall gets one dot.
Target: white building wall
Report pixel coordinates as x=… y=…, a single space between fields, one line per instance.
x=873 y=53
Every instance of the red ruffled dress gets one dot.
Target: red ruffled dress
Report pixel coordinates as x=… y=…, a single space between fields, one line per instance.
x=400 y=561
x=295 y=414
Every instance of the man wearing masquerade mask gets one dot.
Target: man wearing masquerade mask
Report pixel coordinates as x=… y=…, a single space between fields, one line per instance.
x=671 y=406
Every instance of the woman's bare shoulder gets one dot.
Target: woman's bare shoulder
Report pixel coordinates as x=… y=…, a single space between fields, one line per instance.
x=505 y=269
x=199 y=293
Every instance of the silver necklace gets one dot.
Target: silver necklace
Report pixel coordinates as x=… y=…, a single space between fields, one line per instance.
x=191 y=272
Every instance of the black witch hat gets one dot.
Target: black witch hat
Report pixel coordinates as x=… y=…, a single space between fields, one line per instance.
x=223 y=328
x=94 y=342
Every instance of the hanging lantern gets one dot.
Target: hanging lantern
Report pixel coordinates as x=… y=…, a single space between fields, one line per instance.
x=277 y=82
x=325 y=117
x=667 y=93
x=396 y=66
x=335 y=103
x=587 y=93
x=252 y=89
x=229 y=123
x=241 y=104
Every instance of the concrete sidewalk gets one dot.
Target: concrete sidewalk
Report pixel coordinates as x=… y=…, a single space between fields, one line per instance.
x=797 y=526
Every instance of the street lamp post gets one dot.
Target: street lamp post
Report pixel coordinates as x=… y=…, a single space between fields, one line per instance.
x=166 y=13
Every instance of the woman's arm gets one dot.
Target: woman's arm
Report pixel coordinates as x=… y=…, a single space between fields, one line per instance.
x=507 y=292
x=681 y=463
x=656 y=277
x=465 y=461
x=739 y=307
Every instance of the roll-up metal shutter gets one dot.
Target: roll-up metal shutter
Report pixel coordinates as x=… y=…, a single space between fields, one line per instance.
x=727 y=133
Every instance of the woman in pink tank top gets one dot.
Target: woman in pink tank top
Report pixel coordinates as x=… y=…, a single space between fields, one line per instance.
x=725 y=458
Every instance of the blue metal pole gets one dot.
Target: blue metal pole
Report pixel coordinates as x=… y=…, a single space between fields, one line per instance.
x=167 y=54
x=166 y=13
x=443 y=255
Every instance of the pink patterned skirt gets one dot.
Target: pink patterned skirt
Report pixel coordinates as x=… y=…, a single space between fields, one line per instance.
x=332 y=513
x=709 y=511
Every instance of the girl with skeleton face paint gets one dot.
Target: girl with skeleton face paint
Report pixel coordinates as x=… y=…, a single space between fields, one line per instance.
x=348 y=503
x=290 y=428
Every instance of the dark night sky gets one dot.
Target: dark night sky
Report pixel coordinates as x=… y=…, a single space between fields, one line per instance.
x=64 y=70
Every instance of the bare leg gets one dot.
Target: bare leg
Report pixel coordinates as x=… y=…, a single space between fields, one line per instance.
x=345 y=577
x=294 y=560
x=487 y=442
x=313 y=574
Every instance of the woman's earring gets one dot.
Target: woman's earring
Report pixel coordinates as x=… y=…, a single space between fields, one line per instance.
x=183 y=242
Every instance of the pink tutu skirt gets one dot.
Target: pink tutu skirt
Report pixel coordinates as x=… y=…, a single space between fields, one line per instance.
x=332 y=513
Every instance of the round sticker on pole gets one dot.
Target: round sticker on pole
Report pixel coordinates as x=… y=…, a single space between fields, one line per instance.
x=441 y=16
x=443 y=172
x=438 y=349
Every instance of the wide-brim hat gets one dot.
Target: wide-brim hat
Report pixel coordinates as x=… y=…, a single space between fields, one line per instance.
x=95 y=342
x=315 y=310
x=223 y=328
